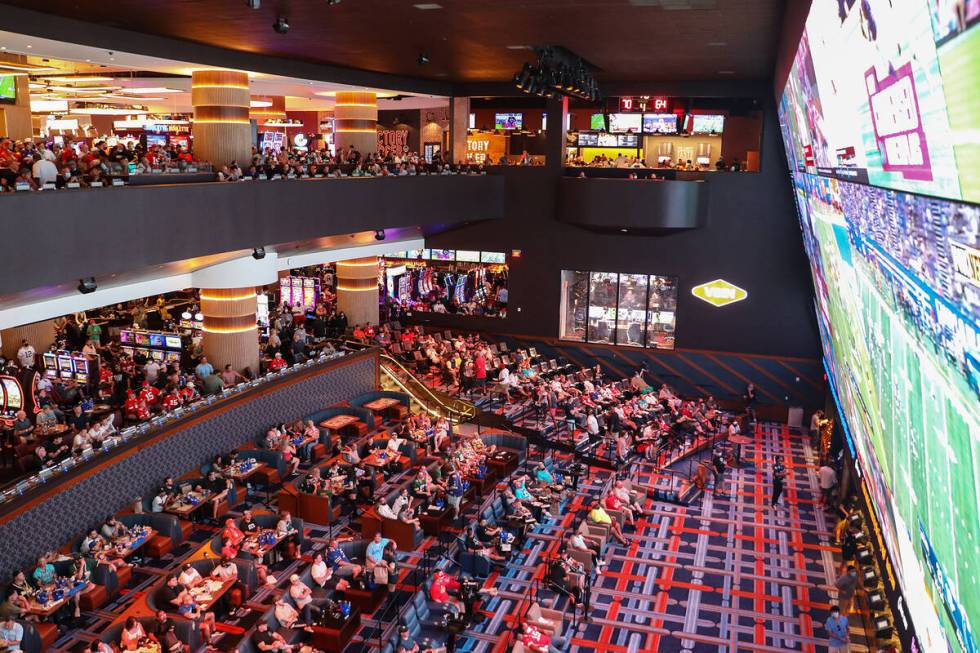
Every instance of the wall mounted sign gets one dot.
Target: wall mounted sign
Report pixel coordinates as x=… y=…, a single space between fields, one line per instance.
x=719 y=293
x=392 y=141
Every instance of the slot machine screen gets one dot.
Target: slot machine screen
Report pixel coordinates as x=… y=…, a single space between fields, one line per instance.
x=172 y=356
x=13 y=397
x=141 y=338
x=129 y=351
x=50 y=365
x=309 y=293
x=65 y=368
x=156 y=340
x=172 y=342
x=125 y=336
x=157 y=355
x=80 y=367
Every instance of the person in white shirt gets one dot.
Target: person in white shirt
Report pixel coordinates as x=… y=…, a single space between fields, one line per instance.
x=81 y=441
x=592 y=425
x=26 y=355
x=159 y=502
x=303 y=598
x=226 y=571
x=151 y=370
x=320 y=571
x=828 y=481
x=45 y=171
x=189 y=577
x=384 y=510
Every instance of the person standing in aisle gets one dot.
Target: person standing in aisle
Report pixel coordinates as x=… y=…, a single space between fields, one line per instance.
x=837 y=631
x=847 y=585
x=778 y=482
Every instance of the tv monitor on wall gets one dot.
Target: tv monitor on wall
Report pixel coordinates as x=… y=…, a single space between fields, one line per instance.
x=659 y=123
x=706 y=124
x=598 y=121
x=623 y=123
x=508 y=121
x=8 y=89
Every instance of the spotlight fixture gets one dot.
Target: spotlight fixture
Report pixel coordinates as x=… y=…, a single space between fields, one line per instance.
x=423 y=59
x=87 y=285
x=258 y=253
x=379 y=234
x=281 y=26
x=331 y=3
x=558 y=72
x=253 y=4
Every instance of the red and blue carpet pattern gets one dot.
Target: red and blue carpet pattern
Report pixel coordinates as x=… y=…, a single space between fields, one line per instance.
x=727 y=574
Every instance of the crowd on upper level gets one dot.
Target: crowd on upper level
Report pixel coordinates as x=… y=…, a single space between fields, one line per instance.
x=30 y=165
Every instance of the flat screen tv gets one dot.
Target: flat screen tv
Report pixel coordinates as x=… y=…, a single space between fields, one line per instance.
x=598 y=121
x=508 y=121
x=622 y=123
x=467 y=256
x=608 y=140
x=628 y=140
x=8 y=89
x=493 y=257
x=659 y=123
x=706 y=124
x=588 y=139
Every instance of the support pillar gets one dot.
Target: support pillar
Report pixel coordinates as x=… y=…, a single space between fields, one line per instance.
x=356 y=122
x=222 y=131
x=357 y=290
x=41 y=335
x=231 y=334
x=555 y=135
x=459 y=124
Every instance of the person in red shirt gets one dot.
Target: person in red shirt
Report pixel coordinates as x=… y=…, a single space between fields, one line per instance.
x=442 y=585
x=613 y=503
x=535 y=639
x=277 y=363
x=142 y=411
x=189 y=393
x=130 y=406
x=359 y=333
x=172 y=400
x=149 y=395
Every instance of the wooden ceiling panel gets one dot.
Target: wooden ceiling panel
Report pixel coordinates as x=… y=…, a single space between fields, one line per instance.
x=466 y=40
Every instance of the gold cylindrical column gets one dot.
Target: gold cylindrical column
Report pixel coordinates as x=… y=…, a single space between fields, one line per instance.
x=230 y=332
x=40 y=335
x=356 y=122
x=221 y=129
x=357 y=290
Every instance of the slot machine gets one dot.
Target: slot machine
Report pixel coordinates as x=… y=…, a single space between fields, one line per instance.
x=11 y=399
x=81 y=368
x=309 y=293
x=65 y=368
x=50 y=365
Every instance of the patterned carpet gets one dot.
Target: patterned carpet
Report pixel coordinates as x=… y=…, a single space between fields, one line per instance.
x=728 y=574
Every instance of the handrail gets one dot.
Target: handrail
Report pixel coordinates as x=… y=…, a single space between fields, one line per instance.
x=434 y=403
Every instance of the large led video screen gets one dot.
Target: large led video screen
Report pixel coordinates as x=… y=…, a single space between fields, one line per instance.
x=880 y=117
x=885 y=92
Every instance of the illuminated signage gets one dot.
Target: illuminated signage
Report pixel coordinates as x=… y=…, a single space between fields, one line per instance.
x=300 y=141
x=719 y=293
x=644 y=103
x=392 y=141
x=659 y=104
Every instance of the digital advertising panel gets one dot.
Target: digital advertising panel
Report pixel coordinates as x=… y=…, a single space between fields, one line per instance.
x=884 y=93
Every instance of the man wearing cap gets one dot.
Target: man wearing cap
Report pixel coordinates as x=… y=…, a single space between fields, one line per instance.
x=302 y=596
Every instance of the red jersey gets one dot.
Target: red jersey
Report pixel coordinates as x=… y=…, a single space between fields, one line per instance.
x=534 y=637
x=131 y=405
x=142 y=411
x=277 y=364
x=612 y=502
x=149 y=394
x=171 y=401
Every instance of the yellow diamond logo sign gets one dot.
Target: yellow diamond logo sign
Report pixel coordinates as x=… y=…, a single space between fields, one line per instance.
x=719 y=293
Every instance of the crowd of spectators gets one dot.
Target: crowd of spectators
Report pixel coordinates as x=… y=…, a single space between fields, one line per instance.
x=38 y=164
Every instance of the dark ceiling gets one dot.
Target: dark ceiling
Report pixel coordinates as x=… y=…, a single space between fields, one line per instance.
x=467 y=40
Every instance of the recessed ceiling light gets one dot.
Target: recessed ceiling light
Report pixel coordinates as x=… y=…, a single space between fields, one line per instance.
x=726 y=72
x=624 y=230
x=427 y=6
x=29 y=47
x=519 y=47
x=717 y=44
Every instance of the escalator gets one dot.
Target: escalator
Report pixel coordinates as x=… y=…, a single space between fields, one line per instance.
x=434 y=402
